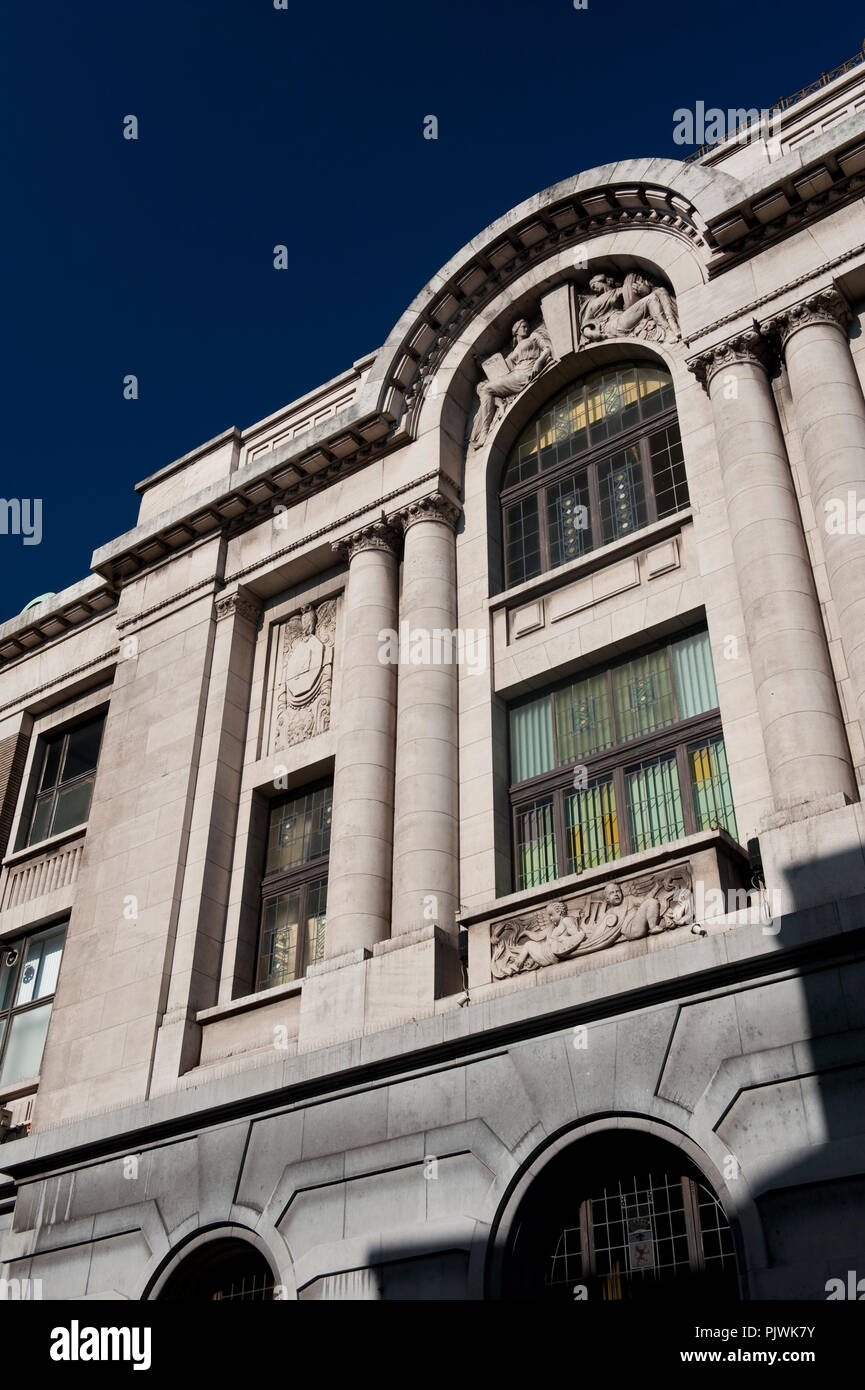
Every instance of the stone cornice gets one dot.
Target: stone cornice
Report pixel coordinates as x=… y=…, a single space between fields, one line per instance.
x=748 y=347
x=826 y=305
x=378 y=535
x=436 y=507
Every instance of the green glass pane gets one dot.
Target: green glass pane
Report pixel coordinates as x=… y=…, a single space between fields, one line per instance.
x=694 y=675
x=532 y=739
x=643 y=695
x=592 y=826
x=654 y=803
x=583 y=724
x=710 y=781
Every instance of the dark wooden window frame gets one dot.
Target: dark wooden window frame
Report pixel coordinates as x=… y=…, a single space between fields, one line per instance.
x=295 y=880
x=613 y=762
x=585 y=463
x=40 y=795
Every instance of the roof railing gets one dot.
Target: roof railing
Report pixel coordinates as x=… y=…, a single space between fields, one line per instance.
x=822 y=81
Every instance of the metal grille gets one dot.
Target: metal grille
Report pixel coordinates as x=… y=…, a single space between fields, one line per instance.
x=252 y=1290
x=643 y=1230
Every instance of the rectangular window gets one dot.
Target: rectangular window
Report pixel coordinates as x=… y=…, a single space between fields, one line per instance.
x=294 y=887
x=622 y=760
x=29 y=968
x=65 y=773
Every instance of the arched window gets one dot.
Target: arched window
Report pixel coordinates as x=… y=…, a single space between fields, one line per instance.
x=225 y=1269
x=600 y=461
x=620 y=1216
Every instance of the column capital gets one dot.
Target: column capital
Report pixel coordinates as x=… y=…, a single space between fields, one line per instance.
x=377 y=535
x=436 y=507
x=239 y=603
x=746 y=348
x=823 y=306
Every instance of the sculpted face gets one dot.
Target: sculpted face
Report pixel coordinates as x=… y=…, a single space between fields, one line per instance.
x=555 y=912
x=521 y=329
x=613 y=894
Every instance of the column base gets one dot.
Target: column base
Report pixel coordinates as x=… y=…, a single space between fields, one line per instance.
x=367 y=991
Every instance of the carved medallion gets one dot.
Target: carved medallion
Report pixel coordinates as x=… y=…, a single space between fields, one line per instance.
x=624 y=910
x=304 y=675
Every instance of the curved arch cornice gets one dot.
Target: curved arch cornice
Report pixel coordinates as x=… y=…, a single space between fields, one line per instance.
x=660 y=194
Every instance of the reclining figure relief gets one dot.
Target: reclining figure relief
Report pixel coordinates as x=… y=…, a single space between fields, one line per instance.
x=620 y=911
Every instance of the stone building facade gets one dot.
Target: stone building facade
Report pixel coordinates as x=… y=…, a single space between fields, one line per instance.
x=433 y=837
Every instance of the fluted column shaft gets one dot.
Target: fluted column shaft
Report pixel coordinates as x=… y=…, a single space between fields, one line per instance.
x=425 y=855
x=830 y=418
x=803 y=731
x=361 y=846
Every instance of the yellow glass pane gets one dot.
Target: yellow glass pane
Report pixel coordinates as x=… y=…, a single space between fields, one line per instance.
x=595 y=403
x=578 y=415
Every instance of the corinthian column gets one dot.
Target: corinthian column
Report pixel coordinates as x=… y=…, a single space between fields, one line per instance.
x=830 y=417
x=425 y=850
x=361 y=846
x=803 y=732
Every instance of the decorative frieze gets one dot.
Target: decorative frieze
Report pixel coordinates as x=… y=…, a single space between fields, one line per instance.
x=304 y=675
x=623 y=910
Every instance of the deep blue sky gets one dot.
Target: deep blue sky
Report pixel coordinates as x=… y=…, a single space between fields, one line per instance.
x=304 y=127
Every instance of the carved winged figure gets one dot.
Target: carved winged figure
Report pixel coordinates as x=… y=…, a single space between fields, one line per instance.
x=305 y=675
x=623 y=911
x=532 y=353
x=636 y=308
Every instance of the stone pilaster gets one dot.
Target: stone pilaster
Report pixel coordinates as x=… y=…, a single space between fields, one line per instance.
x=830 y=417
x=361 y=852
x=426 y=841
x=803 y=731
x=195 y=960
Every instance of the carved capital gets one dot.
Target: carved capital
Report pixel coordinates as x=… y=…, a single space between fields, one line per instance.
x=824 y=306
x=378 y=535
x=748 y=348
x=240 y=604
x=436 y=507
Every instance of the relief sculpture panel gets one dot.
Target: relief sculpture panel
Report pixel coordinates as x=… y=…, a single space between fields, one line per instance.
x=625 y=910
x=303 y=675
x=628 y=306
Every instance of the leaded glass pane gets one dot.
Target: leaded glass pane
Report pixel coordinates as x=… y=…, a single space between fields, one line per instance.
x=583 y=723
x=623 y=496
x=643 y=695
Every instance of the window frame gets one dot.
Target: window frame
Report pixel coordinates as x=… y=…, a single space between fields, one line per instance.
x=39 y=795
x=583 y=468
x=13 y=1010
x=299 y=879
x=610 y=764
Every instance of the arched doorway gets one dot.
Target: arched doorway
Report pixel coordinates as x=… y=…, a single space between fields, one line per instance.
x=226 y=1269
x=619 y=1216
